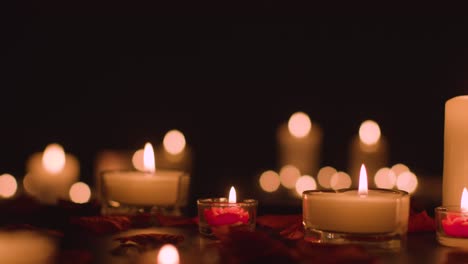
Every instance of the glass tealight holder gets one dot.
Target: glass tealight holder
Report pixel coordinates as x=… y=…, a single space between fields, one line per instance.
x=452 y=226
x=217 y=216
x=127 y=192
x=377 y=220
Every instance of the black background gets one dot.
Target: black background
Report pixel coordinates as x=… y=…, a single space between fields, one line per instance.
x=93 y=76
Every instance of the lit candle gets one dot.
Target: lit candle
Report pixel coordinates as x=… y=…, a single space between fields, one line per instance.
x=368 y=147
x=363 y=211
x=110 y=159
x=455 y=150
x=219 y=212
x=456 y=223
x=51 y=173
x=168 y=254
x=147 y=188
x=299 y=143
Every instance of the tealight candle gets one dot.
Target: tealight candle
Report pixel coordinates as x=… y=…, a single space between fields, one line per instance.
x=377 y=216
x=452 y=223
x=50 y=174
x=143 y=190
x=221 y=212
x=299 y=143
x=368 y=147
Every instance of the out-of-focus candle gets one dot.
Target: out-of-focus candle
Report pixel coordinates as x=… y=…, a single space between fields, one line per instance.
x=168 y=254
x=299 y=143
x=25 y=247
x=51 y=173
x=368 y=147
x=455 y=150
x=149 y=188
x=110 y=159
x=174 y=153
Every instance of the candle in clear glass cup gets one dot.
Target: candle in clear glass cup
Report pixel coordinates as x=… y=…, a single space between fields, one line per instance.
x=299 y=143
x=51 y=173
x=368 y=147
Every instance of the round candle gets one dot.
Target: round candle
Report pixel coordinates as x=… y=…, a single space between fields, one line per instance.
x=299 y=143
x=455 y=150
x=368 y=147
x=52 y=173
x=356 y=211
x=227 y=215
x=144 y=188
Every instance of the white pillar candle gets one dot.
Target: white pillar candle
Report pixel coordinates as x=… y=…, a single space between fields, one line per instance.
x=455 y=176
x=299 y=144
x=107 y=160
x=368 y=147
x=51 y=173
x=357 y=211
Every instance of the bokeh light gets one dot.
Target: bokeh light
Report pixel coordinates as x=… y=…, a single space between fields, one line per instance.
x=53 y=158
x=8 y=185
x=324 y=176
x=399 y=169
x=369 y=132
x=269 y=181
x=340 y=180
x=305 y=183
x=289 y=175
x=80 y=193
x=299 y=124
x=137 y=160
x=407 y=181
x=385 y=178
x=168 y=254
x=174 y=142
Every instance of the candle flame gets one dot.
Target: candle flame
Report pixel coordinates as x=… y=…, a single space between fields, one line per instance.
x=369 y=132
x=232 y=195
x=362 y=181
x=148 y=158
x=464 y=200
x=168 y=254
x=53 y=158
x=174 y=142
x=299 y=124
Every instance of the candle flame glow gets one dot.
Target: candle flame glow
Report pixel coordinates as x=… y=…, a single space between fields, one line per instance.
x=174 y=142
x=299 y=124
x=148 y=158
x=168 y=254
x=464 y=200
x=269 y=181
x=369 y=132
x=232 y=195
x=8 y=185
x=80 y=193
x=362 y=181
x=53 y=158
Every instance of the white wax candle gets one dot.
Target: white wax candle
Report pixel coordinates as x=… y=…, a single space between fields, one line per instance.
x=161 y=188
x=377 y=212
x=368 y=147
x=455 y=176
x=299 y=144
x=51 y=173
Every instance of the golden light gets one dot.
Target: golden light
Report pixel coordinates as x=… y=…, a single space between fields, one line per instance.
x=299 y=124
x=168 y=254
x=53 y=158
x=464 y=200
x=80 y=193
x=28 y=185
x=174 y=142
x=362 y=181
x=385 y=178
x=269 y=181
x=232 y=195
x=399 y=169
x=340 y=180
x=305 y=183
x=137 y=160
x=369 y=132
x=8 y=185
x=407 y=181
x=148 y=158
x=289 y=175
x=324 y=176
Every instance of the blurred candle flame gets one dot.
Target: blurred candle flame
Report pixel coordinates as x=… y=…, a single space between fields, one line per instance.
x=168 y=254
x=174 y=142
x=8 y=185
x=363 y=181
x=304 y=183
x=299 y=124
x=53 y=158
x=269 y=181
x=232 y=195
x=148 y=158
x=464 y=200
x=80 y=193
x=369 y=132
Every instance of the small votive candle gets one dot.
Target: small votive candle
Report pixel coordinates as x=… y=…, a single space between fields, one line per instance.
x=452 y=223
x=215 y=214
x=376 y=217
